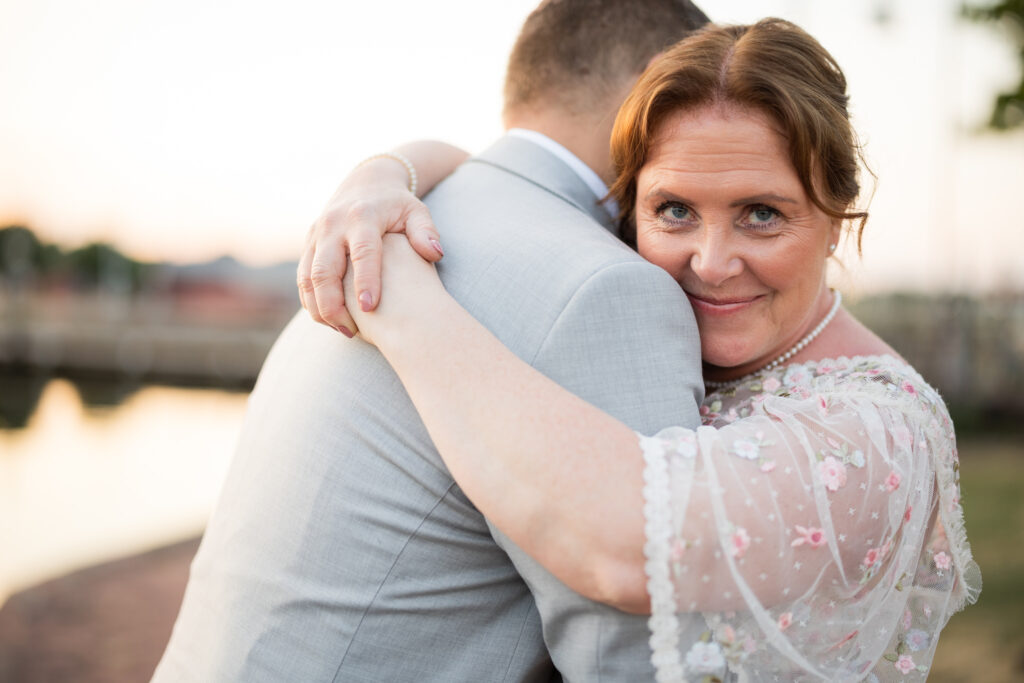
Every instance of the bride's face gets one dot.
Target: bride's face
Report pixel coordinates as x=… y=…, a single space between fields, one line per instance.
x=721 y=208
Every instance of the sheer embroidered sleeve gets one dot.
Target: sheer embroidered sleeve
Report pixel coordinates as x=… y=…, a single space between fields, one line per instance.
x=815 y=521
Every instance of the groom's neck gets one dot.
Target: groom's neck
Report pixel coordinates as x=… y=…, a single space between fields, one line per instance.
x=586 y=136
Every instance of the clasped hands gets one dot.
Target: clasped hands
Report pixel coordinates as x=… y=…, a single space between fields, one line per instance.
x=371 y=236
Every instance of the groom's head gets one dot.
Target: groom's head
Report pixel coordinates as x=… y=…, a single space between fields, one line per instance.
x=575 y=61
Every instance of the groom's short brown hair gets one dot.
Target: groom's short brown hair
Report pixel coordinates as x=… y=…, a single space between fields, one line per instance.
x=572 y=53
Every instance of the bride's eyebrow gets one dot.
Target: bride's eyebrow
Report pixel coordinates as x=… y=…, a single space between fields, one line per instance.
x=661 y=193
x=763 y=199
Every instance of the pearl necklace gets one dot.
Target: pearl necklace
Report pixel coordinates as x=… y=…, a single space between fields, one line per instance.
x=799 y=346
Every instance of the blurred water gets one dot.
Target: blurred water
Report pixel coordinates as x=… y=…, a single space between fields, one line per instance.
x=102 y=469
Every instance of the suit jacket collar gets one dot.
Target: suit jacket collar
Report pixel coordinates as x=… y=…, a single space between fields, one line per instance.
x=540 y=167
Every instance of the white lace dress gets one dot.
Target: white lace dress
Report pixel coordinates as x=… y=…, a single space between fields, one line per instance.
x=815 y=521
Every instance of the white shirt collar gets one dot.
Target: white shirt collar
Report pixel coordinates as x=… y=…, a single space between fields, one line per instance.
x=585 y=173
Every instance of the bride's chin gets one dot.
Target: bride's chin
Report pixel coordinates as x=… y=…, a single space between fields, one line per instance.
x=722 y=360
x=722 y=365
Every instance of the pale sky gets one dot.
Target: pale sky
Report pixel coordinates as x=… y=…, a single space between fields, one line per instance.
x=193 y=128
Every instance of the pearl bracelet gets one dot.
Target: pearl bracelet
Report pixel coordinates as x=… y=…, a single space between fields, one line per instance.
x=400 y=158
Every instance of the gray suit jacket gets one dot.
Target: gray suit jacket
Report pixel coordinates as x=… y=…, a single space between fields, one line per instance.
x=342 y=550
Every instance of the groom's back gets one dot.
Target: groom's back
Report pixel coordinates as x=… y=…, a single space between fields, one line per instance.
x=341 y=549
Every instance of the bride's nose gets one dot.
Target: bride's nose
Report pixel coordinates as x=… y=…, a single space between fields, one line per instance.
x=715 y=258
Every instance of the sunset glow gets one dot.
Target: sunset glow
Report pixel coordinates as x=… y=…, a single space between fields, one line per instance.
x=190 y=129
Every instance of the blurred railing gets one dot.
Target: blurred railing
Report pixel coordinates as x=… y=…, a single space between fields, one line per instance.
x=969 y=348
x=141 y=337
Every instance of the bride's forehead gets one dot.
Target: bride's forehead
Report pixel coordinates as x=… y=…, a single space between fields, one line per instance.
x=733 y=159
x=711 y=135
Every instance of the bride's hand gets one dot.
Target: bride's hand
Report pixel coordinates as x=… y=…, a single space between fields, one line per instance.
x=412 y=294
x=372 y=201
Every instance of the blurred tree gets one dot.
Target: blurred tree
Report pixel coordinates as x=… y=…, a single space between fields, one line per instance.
x=19 y=251
x=23 y=256
x=25 y=259
x=1008 y=111
x=101 y=265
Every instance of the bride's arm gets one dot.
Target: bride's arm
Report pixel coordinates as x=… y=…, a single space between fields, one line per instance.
x=373 y=199
x=496 y=420
x=758 y=514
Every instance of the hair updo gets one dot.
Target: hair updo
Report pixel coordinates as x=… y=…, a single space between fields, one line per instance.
x=774 y=67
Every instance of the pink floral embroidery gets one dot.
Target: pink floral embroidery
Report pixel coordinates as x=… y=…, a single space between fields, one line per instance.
x=705 y=658
x=746 y=449
x=796 y=375
x=844 y=452
x=710 y=413
x=740 y=542
x=833 y=473
x=812 y=536
x=685 y=445
x=905 y=664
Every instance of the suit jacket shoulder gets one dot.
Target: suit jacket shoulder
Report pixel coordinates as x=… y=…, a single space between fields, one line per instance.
x=533 y=257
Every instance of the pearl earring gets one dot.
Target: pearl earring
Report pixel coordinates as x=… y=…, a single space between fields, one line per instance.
x=831 y=248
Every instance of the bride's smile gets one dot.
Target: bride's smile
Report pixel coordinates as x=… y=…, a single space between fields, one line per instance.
x=722 y=209
x=721 y=305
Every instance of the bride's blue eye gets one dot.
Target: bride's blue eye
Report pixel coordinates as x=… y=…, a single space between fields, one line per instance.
x=762 y=217
x=674 y=212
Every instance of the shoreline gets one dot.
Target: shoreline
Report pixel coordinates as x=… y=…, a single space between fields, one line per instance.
x=107 y=622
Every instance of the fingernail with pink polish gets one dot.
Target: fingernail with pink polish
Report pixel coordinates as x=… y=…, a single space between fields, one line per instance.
x=365 y=301
x=345 y=331
x=437 y=246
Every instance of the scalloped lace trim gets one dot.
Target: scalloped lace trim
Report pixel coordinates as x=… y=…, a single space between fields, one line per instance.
x=664 y=623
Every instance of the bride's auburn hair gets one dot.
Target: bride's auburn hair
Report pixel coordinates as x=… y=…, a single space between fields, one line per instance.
x=774 y=67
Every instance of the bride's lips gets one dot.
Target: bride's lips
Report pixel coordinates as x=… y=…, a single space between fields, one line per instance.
x=721 y=306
